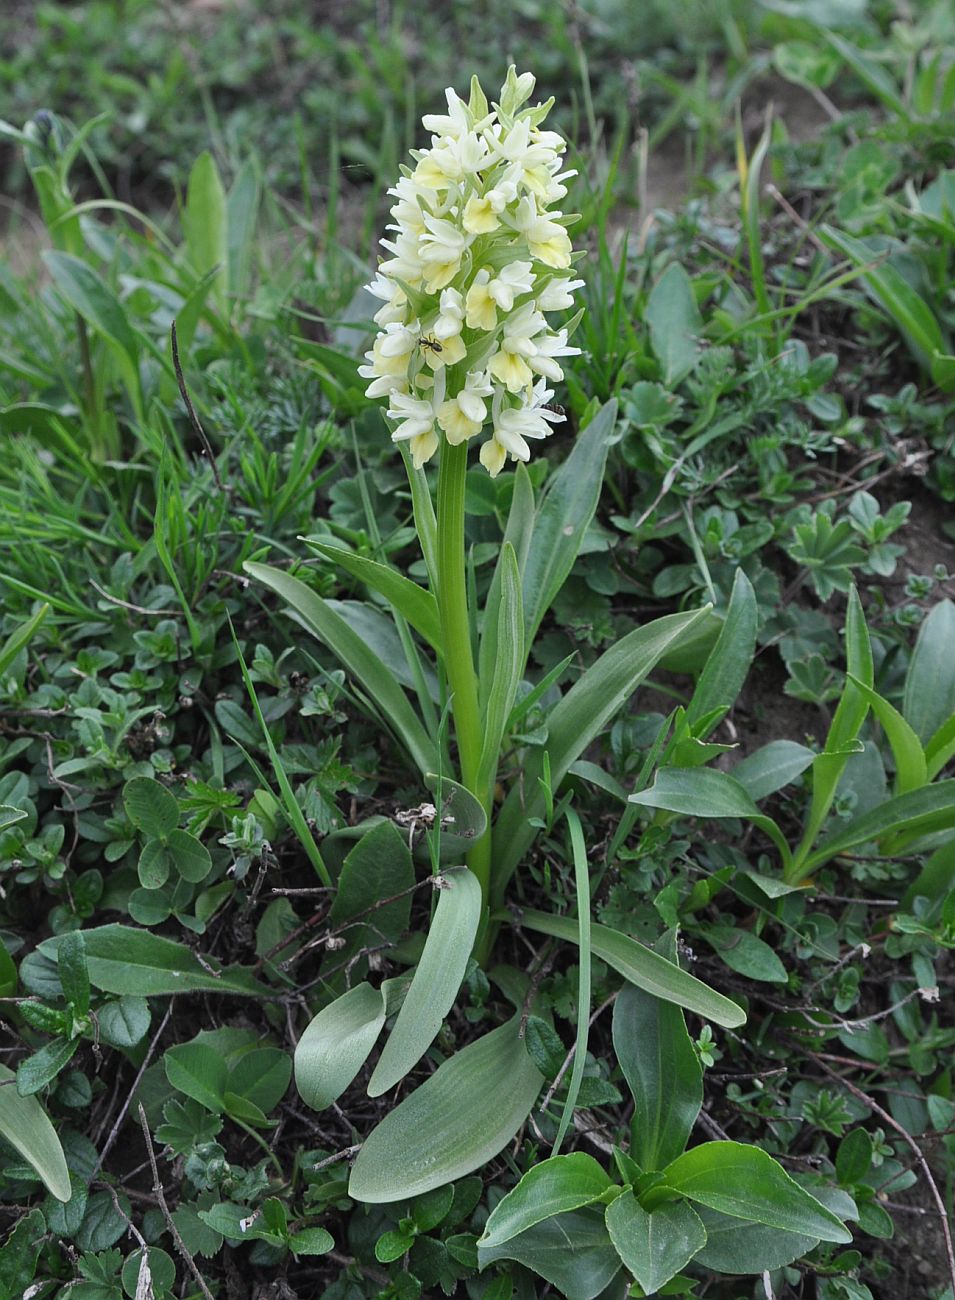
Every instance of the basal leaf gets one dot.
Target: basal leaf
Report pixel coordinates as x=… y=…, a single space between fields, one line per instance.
x=436 y=980
x=455 y=1122
x=24 y=1124
x=336 y=1045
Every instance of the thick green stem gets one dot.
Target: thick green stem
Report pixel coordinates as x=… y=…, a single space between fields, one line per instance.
x=456 y=636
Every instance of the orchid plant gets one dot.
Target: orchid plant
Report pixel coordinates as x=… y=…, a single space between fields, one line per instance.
x=479 y=259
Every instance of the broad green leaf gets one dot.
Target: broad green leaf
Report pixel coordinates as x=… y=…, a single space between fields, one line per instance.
x=124 y=960
x=242 y=211
x=458 y=1120
x=907 y=309
x=150 y=807
x=436 y=980
x=940 y=750
x=929 y=698
x=412 y=602
x=555 y=1186
x=337 y=1044
x=10 y=816
x=707 y=792
x=872 y=75
x=21 y=637
x=562 y=518
x=854 y=1157
x=571 y=1251
x=733 y=1246
x=508 y=666
x=43 y=1066
x=155 y=864
x=125 y=1022
x=642 y=966
x=24 y=1124
x=654 y=1247
x=262 y=1077
x=746 y=953
x=190 y=856
x=935 y=879
x=73 y=971
x=746 y=1183
x=311 y=1241
x=376 y=679
x=771 y=767
x=843 y=731
x=8 y=973
x=676 y=325
x=379 y=867
x=911 y=771
x=574 y=722
x=88 y=293
x=730 y=660
x=663 y=1072
x=932 y=808
x=199 y=1071
x=518 y=534
x=205 y=224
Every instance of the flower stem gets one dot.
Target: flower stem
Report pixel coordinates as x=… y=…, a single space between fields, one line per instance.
x=456 y=636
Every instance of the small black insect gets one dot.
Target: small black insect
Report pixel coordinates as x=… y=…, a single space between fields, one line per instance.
x=431 y=344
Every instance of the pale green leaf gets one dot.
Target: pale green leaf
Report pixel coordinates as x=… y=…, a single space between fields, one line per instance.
x=376 y=679
x=336 y=1045
x=24 y=1124
x=455 y=1122
x=436 y=980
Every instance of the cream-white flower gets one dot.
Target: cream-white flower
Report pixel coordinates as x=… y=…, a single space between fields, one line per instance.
x=451 y=319
x=476 y=256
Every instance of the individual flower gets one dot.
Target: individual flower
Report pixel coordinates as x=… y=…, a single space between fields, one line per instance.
x=477 y=255
x=513 y=425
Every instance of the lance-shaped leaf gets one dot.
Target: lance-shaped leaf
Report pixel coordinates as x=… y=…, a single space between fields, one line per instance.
x=932 y=808
x=929 y=698
x=642 y=966
x=374 y=676
x=571 y=1251
x=746 y=1183
x=555 y=1186
x=24 y=1124
x=436 y=980
x=121 y=959
x=412 y=602
x=654 y=1247
x=457 y=1121
x=573 y=723
x=508 y=666
x=771 y=767
x=337 y=1044
x=910 y=767
x=663 y=1073
x=707 y=792
x=562 y=518
x=730 y=659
